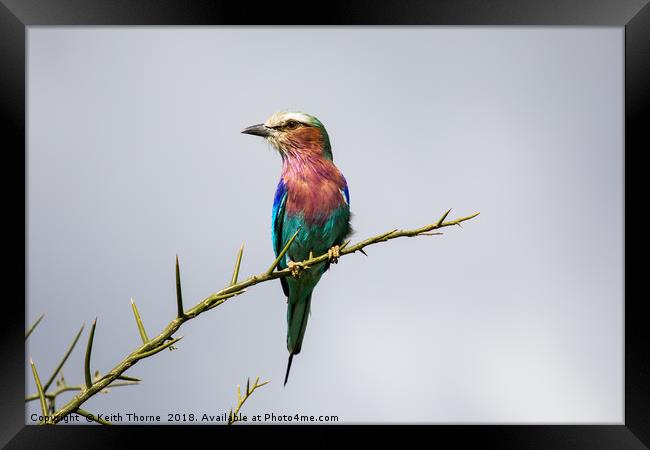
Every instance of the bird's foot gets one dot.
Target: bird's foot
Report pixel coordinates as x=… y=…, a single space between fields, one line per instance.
x=334 y=253
x=294 y=268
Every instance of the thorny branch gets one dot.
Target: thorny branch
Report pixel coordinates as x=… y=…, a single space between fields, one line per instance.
x=165 y=339
x=233 y=416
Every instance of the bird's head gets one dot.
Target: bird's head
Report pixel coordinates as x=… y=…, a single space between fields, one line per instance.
x=294 y=134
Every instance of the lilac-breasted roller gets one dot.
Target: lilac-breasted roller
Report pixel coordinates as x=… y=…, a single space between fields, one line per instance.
x=312 y=197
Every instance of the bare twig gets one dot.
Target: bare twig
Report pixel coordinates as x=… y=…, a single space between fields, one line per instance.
x=33 y=327
x=241 y=399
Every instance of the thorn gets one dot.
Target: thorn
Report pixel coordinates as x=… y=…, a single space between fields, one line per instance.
x=444 y=216
x=361 y=250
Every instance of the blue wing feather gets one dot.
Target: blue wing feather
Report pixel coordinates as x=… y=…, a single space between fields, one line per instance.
x=346 y=192
x=277 y=220
x=278 y=216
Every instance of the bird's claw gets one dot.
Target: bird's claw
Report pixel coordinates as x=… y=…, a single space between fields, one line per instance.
x=294 y=268
x=333 y=254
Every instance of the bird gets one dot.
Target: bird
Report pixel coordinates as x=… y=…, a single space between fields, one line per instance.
x=311 y=199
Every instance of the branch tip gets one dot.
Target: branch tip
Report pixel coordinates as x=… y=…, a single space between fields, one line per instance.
x=33 y=327
x=232 y=417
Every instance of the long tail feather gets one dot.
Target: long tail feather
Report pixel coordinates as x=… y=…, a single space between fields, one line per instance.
x=286 y=376
x=298 y=315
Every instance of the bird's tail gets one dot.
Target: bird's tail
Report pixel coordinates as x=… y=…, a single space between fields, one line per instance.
x=286 y=375
x=297 y=315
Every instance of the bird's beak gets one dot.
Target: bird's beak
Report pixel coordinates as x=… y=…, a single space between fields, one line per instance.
x=258 y=130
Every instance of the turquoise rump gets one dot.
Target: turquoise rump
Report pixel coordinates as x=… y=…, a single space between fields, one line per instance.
x=312 y=198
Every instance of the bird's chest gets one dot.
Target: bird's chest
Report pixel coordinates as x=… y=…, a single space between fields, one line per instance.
x=314 y=201
x=320 y=215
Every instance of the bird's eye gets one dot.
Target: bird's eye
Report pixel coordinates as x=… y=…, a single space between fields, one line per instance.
x=292 y=125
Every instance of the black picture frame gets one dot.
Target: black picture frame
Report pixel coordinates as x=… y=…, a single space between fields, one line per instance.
x=634 y=15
